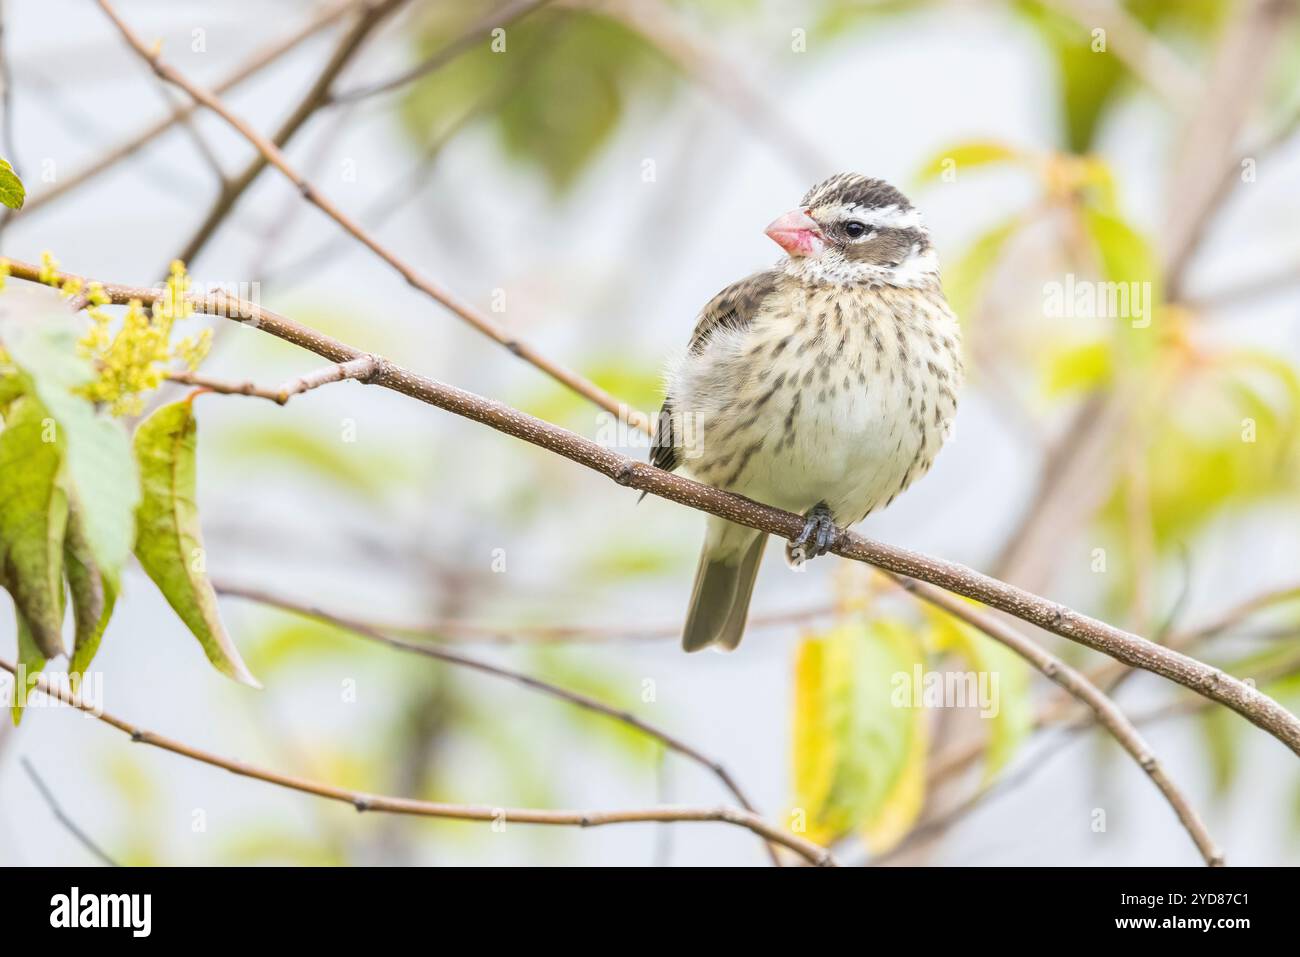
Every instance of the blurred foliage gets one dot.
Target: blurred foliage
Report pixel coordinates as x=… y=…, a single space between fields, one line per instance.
x=636 y=380
x=1226 y=436
x=1089 y=79
x=570 y=74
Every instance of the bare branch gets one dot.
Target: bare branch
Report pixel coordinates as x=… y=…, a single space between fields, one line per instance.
x=254 y=65
x=369 y=632
x=316 y=97
x=227 y=388
x=1124 y=646
x=463 y=812
x=62 y=817
x=454 y=630
x=276 y=158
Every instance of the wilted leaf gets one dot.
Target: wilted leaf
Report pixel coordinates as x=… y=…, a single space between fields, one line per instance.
x=12 y=193
x=33 y=515
x=30 y=663
x=169 y=541
x=859 y=750
x=93 y=593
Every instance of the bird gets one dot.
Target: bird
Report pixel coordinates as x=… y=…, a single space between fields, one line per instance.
x=824 y=385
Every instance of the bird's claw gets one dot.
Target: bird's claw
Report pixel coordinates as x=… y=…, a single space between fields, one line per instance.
x=818 y=535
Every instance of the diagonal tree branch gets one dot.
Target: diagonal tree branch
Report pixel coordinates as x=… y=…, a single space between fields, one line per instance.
x=1051 y=616
x=809 y=851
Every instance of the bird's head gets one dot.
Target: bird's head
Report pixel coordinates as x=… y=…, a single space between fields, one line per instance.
x=853 y=230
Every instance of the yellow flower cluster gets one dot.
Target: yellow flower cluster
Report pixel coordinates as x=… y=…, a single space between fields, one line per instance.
x=132 y=360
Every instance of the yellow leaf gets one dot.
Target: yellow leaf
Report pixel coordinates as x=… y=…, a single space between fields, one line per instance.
x=858 y=751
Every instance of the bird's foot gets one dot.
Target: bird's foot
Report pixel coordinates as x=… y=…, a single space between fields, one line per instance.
x=818 y=535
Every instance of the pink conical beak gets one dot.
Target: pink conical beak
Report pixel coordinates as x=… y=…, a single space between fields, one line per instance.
x=797 y=233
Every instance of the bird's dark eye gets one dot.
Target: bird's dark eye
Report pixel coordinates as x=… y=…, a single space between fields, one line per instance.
x=854 y=229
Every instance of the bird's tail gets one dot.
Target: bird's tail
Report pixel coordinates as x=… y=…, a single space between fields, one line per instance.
x=724 y=582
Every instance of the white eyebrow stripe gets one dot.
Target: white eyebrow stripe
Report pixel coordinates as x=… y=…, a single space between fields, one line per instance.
x=887 y=217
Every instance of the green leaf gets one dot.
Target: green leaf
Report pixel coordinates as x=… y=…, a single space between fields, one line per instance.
x=1133 y=292
x=1076 y=368
x=30 y=663
x=12 y=193
x=169 y=541
x=962 y=156
x=33 y=515
x=1218 y=730
x=859 y=755
x=1088 y=81
x=1014 y=718
x=965 y=281
x=101 y=470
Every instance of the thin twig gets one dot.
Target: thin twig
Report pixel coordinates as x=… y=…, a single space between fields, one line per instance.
x=446 y=630
x=370 y=17
x=362 y=368
x=62 y=817
x=463 y=812
x=1087 y=693
x=1051 y=616
x=227 y=388
x=255 y=64
x=474 y=317
x=369 y=632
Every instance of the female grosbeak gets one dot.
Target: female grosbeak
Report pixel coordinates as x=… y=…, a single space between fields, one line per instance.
x=824 y=385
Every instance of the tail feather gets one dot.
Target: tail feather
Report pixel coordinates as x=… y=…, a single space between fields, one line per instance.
x=724 y=583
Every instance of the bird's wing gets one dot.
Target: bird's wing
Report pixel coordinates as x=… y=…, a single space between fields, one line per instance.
x=733 y=308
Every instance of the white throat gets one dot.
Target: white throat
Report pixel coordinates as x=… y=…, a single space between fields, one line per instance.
x=918 y=269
